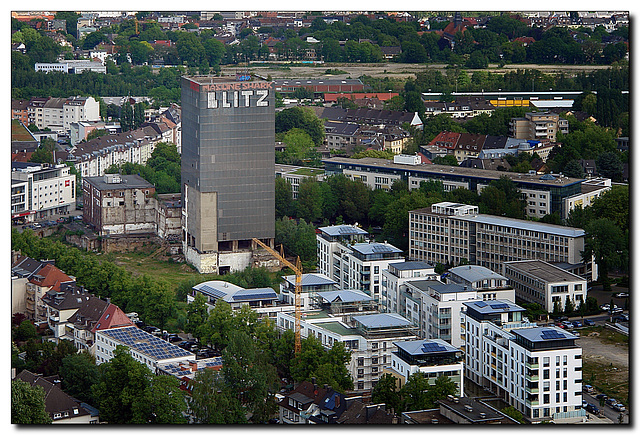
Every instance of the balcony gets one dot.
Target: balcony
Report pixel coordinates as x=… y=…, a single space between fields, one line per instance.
x=531 y=403
x=532 y=377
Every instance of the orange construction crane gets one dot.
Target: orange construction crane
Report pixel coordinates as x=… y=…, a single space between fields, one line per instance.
x=297 y=269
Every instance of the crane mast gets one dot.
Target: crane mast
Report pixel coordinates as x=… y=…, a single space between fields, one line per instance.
x=297 y=269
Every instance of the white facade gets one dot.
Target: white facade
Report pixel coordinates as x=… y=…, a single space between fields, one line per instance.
x=51 y=189
x=591 y=190
x=370 y=353
x=545 y=284
x=105 y=345
x=538 y=370
x=410 y=359
x=396 y=275
x=449 y=232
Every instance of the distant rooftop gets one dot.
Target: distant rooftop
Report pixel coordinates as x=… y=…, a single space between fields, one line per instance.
x=543 y=271
x=425 y=284
x=375 y=248
x=544 y=333
x=310 y=279
x=411 y=265
x=133 y=181
x=382 y=320
x=343 y=230
x=430 y=346
x=474 y=273
x=493 y=307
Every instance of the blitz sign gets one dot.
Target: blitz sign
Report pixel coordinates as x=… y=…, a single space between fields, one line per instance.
x=237 y=94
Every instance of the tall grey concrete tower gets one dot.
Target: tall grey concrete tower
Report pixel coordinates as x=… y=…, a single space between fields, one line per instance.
x=228 y=178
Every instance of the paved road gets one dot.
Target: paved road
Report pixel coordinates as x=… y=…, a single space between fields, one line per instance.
x=605 y=410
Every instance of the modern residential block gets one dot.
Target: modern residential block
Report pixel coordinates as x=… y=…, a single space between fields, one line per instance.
x=538 y=370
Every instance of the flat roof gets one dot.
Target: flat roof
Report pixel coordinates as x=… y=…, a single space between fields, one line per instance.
x=143 y=342
x=375 y=248
x=425 y=284
x=337 y=328
x=474 y=273
x=544 y=271
x=493 y=307
x=310 y=279
x=411 y=265
x=207 y=80
x=342 y=230
x=133 y=181
x=423 y=347
x=345 y=296
x=455 y=170
x=544 y=333
x=382 y=320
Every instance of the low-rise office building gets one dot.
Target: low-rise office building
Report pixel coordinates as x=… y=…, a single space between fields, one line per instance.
x=396 y=275
x=545 y=193
x=537 y=281
x=449 y=233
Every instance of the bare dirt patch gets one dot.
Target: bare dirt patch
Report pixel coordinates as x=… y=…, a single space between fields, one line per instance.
x=606 y=363
x=394 y=70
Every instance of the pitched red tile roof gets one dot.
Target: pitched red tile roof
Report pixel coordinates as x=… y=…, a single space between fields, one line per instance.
x=50 y=276
x=112 y=317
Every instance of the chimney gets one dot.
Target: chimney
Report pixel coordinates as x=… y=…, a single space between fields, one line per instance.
x=194 y=366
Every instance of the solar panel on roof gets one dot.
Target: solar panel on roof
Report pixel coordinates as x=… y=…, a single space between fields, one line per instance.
x=499 y=306
x=551 y=334
x=481 y=304
x=433 y=347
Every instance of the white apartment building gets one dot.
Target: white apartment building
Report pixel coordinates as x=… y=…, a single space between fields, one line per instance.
x=93 y=158
x=476 y=277
x=295 y=174
x=41 y=190
x=143 y=347
x=311 y=285
x=433 y=358
x=332 y=244
x=350 y=259
x=370 y=337
x=448 y=232
x=538 y=370
x=59 y=113
x=590 y=190
x=394 y=277
x=435 y=308
x=545 y=284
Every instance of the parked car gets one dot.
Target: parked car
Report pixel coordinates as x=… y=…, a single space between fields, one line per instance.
x=172 y=338
x=577 y=324
x=562 y=318
x=616 y=310
x=588 y=322
x=560 y=325
x=622 y=295
x=593 y=409
x=604 y=307
x=625 y=317
x=587 y=388
x=619 y=407
x=602 y=396
x=567 y=324
x=610 y=402
x=584 y=404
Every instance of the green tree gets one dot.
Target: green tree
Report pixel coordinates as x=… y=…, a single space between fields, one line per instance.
x=162 y=402
x=283 y=198
x=386 y=391
x=309 y=202
x=219 y=325
x=303 y=118
x=28 y=404
x=513 y=413
x=79 y=373
x=604 y=242
x=122 y=383
x=502 y=198
x=26 y=331
x=610 y=166
x=197 y=315
x=212 y=403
